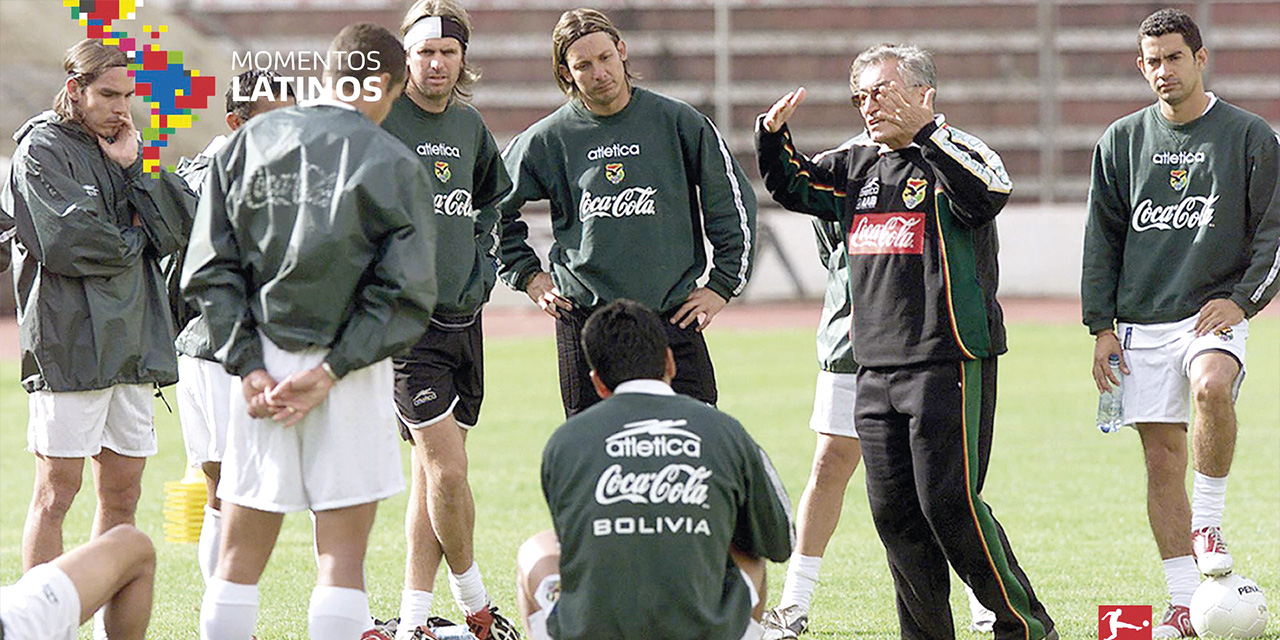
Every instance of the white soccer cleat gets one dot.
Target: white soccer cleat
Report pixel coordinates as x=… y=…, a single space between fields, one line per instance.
x=782 y=623
x=1175 y=624
x=1212 y=557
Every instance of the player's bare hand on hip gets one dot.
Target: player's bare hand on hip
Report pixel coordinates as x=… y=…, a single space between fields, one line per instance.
x=542 y=290
x=255 y=386
x=701 y=306
x=123 y=148
x=1217 y=315
x=910 y=114
x=298 y=394
x=781 y=110
x=1104 y=347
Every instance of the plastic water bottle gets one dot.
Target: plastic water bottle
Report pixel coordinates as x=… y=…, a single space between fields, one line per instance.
x=1111 y=403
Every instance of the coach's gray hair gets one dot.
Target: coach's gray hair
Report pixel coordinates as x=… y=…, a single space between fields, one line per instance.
x=915 y=64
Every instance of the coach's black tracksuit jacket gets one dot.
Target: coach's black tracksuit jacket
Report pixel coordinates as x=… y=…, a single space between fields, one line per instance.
x=921 y=241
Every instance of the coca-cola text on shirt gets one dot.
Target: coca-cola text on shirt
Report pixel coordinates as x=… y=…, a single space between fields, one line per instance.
x=1192 y=212
x=887 y=233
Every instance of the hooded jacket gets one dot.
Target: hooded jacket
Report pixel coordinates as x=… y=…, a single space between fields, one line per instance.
x=92 y=311
x=315 y=228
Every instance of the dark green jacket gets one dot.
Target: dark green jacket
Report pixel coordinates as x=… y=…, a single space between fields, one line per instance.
x=647 y=491
x=1181 y=214
x=835 y=349
x=631 y=195
x=325 y=238
x=194 y=339
x=92 y=310
x=466 y=168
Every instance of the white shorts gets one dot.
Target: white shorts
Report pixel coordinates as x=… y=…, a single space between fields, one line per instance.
x=833 y=404
x=204 y=407
x=78 y=424
x=548 y=591
x=345 y=452
x=1158 y=387
x=43 y=605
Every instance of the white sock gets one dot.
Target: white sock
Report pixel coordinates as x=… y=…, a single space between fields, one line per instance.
x=415 y=608
x=468 y=589
x=99 y=624
x=337 y=613
x=210 y=538
x=1208 y=497
x=802 y=579
x=229 y=610
x=1182 y=578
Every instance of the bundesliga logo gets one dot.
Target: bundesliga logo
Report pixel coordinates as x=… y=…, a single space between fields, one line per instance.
x=1178 y=157
x=614 y=150
x=1124 y=622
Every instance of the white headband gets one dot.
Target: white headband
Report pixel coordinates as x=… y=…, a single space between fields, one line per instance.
x=434 y=27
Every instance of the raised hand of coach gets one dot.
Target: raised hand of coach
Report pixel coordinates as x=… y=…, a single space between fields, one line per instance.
x=895 y=107
x=781 y=110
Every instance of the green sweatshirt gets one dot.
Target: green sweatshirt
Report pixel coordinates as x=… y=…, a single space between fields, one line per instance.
x=647 y=491
x=324 y=238
x=631 y=195
x=1181 y=214
x=459 y=153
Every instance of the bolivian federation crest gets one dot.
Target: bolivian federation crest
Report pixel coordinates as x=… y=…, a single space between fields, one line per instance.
x=442 y=171
x=614 y=172
x=1178 y=179
x=914 y=193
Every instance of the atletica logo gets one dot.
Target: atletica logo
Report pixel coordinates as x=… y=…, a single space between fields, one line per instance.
x=1178 y=157
x=673 y=484
x=636 y=201
x=1192 y=212
x=455 y=203
x=653 y=438
x=614 y=150
x=439 y=149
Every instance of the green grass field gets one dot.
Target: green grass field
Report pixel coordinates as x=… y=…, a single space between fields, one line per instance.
x=1071 y=499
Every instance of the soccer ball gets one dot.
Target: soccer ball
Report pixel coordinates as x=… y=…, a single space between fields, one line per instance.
x=1229 y=607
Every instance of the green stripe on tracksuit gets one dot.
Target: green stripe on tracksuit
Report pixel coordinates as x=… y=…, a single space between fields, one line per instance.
x=1016 y=597
x=925 y=433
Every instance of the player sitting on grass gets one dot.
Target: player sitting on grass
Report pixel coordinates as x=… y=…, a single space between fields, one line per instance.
x=664 y=508
x=112 y=572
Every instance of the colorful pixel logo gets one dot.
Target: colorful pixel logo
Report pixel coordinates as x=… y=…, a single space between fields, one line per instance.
x=162 y=80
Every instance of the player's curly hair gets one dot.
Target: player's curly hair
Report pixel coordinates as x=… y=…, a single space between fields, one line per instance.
x=1166 y=21
x=446 y=9
x=624 y=340
x=573 y=25
x=915 y=64
x=84 y=62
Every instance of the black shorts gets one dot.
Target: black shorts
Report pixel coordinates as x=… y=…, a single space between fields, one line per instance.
x=695 y=375
x=442 y=374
